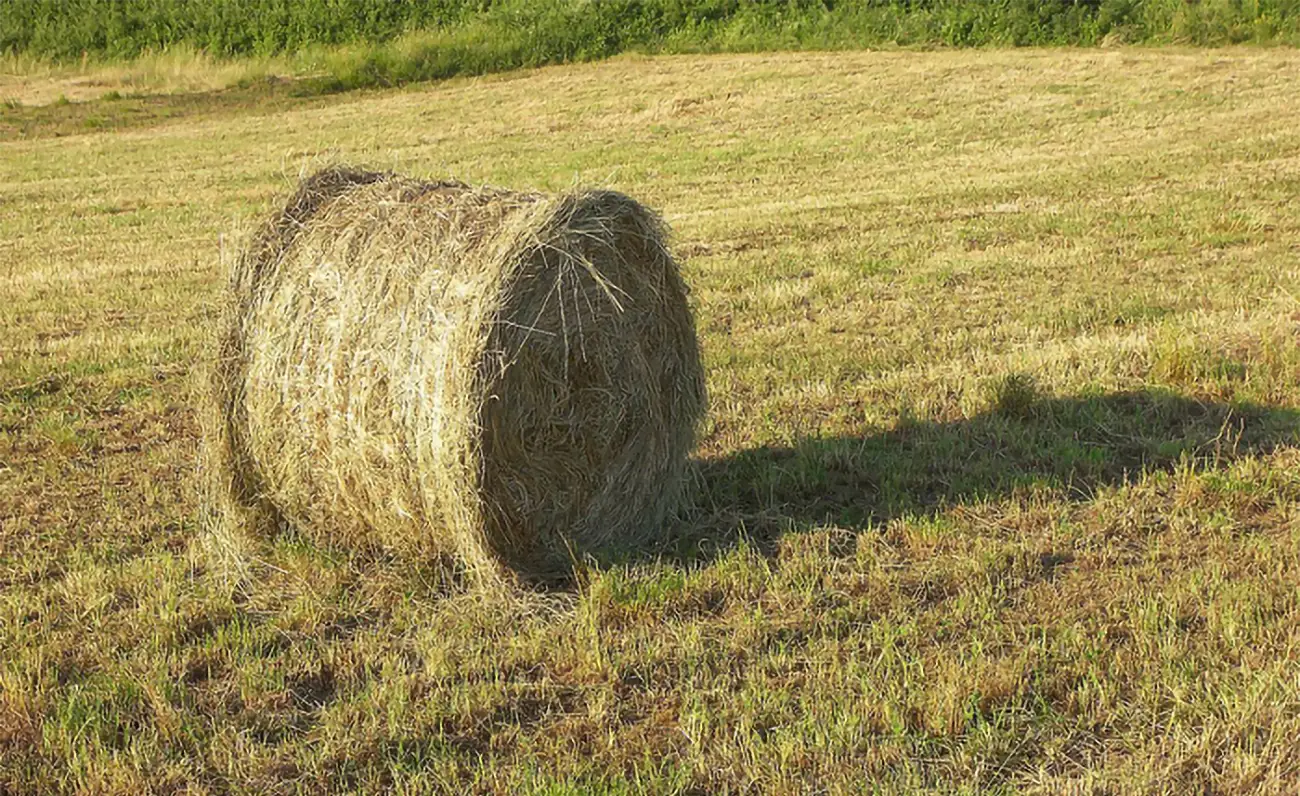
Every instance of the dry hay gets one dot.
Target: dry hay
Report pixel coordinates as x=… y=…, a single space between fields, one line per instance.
x=432 y=368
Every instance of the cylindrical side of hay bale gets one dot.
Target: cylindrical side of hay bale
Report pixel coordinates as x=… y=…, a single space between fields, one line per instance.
x=513 y=378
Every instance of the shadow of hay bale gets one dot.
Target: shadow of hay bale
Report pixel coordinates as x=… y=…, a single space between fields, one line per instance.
x=1074 y=444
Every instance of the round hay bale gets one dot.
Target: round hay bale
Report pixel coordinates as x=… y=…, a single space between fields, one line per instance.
x=510 y=377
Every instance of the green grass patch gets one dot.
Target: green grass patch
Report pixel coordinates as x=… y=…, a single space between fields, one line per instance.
x=377 y=42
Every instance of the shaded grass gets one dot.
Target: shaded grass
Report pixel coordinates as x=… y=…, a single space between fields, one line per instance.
x=114 y=111
x=1072 y=447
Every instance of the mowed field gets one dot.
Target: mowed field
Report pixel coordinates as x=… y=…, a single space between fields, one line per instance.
x=999 y=492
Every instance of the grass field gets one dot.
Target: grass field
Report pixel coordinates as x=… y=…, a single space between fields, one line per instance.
x=1000 y=490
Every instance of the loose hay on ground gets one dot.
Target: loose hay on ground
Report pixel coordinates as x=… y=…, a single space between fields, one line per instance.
x=431 y=368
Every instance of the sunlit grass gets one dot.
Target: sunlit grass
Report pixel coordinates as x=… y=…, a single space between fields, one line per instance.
x=28 y=80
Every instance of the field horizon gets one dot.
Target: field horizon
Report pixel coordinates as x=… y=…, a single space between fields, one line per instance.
x=999 y=489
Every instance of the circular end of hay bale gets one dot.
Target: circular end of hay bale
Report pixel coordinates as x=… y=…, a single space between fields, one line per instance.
x=428 y=367
x=592 y=382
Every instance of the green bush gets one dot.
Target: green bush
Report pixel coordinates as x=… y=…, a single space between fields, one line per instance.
x=393 y=41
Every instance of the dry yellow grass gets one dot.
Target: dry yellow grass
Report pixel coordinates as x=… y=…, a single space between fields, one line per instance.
x=1000 y=490
x=25 y=81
